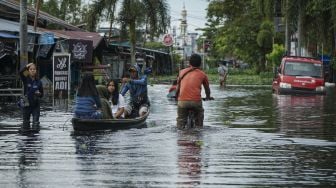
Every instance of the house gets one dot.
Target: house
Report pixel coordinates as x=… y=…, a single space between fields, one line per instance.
x=89 y=50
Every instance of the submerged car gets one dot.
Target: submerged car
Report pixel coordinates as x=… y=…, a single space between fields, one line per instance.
x=299 y=75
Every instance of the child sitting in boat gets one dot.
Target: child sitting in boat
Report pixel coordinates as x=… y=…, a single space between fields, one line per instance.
x=104 y=99
x=172 y=90
x=116 y=100
x=88 y=105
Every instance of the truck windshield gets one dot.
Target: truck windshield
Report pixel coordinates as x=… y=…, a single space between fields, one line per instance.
x=303 y=69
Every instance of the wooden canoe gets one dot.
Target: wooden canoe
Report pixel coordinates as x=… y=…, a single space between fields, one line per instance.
x=105 y=124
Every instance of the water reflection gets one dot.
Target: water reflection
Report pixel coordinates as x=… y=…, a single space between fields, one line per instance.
x=29 y=151
x=86 y=144
x=190 y=157
x=302 y=116
x=251 y=139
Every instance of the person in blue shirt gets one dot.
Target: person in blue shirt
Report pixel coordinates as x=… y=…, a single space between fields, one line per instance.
x=33 y=91
x=88 y=105
x=137 y=86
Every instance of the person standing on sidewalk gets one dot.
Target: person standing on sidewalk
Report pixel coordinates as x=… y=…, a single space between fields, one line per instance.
x=33 y=92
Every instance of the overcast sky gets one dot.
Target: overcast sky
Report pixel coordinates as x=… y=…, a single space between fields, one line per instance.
x=196 y=13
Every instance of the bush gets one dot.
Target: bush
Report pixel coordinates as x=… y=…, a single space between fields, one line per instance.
x=275 y=56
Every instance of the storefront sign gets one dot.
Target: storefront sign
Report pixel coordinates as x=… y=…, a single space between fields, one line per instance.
x=61 y=76
x=167 y=40
x=81 y=50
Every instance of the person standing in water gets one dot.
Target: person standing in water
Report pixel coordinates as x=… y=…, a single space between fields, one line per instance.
x=190 y=81
x=33 y=92
x=223 y=72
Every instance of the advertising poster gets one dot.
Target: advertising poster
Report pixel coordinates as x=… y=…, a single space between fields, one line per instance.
x=61 y=76
x=81 y=50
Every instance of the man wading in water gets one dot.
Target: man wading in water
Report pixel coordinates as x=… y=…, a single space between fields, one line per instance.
x=190 y=81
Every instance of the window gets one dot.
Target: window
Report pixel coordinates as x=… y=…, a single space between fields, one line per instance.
x=303 y=69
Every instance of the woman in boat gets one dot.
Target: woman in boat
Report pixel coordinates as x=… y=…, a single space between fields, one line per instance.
x=88 y=105
x=104 y=99
x=116 y=100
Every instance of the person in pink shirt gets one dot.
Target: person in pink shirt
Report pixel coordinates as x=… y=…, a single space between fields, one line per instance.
x=190 y=81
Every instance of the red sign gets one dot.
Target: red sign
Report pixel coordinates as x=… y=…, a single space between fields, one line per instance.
x=167 y=40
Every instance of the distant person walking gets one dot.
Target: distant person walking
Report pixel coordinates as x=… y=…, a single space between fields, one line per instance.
x=33 y=91
x=223 y=71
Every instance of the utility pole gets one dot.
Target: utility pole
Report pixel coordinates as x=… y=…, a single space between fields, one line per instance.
x=23 y=34
x=203 y=59
x=287 y=31
x=37 y=11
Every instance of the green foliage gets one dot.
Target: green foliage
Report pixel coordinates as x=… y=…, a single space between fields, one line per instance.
x=51 y=7
x=265 y=36
x=70 y=11
x=233 y=26
x=132 y=15
x=211 y=62
x=275 y=56
x=236 y=37
x=333 y=63
x=155 y=45
x=244 y=78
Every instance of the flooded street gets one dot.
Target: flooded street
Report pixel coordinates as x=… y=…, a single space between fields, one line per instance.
x=251 y=138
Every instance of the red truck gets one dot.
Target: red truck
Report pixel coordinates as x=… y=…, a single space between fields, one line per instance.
x=299 y=75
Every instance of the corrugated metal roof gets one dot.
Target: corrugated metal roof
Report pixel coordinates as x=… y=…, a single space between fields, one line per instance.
x=7 y=26
x=10 y=26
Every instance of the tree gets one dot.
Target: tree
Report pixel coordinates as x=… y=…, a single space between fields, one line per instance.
x=265 y=42
x=276 y=55
x=133 y=15
x=233 y=26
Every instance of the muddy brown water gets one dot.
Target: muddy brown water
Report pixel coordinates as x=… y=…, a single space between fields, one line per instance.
x=251 y=138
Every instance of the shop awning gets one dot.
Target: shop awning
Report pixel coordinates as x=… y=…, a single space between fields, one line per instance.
x=8 y=36
x=79 y=35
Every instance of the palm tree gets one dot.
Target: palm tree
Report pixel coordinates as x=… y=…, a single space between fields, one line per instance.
x=133 y=14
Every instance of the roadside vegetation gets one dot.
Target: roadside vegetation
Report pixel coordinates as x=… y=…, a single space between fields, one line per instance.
x=254 y=32
x=235 y=77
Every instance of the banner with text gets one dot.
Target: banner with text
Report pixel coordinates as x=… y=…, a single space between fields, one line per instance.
x=61 y=76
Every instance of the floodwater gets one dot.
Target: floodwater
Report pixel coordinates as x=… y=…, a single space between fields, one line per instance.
x=251 y=138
